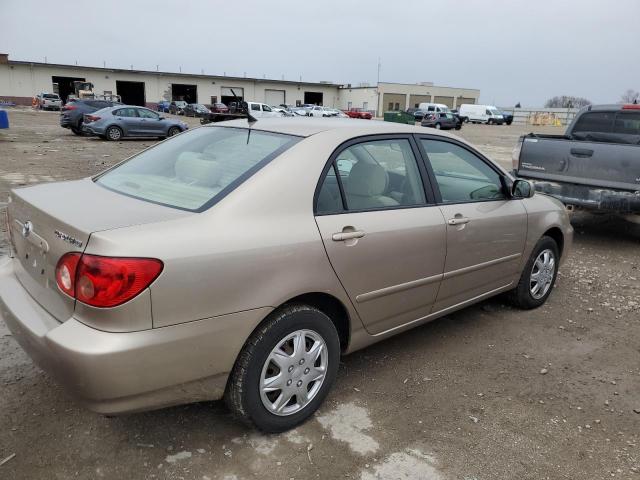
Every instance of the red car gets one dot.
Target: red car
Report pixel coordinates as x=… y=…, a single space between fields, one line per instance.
x=359 y=113
x=218 y=108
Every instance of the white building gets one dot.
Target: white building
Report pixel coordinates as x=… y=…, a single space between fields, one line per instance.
x=20 y=81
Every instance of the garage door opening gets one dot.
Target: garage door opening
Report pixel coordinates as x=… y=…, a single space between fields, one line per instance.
x=132 y=93
x=313 y=98
x=227 y=97
x=274 y=97
x=63 y=86
x=188 y=93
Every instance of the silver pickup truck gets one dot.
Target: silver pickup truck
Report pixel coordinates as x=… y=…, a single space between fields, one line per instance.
x=595 y=165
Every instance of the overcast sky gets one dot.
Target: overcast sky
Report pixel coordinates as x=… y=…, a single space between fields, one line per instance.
x=512 y=50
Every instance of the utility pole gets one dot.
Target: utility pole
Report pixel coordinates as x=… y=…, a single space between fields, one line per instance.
x=378 y=86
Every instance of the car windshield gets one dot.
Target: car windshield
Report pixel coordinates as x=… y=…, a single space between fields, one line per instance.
x=195 y=169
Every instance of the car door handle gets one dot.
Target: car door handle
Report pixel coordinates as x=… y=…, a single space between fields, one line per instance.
x=581 y=152
x=342 y=236
x=458 y=220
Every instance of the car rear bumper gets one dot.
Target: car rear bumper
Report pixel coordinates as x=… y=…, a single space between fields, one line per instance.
x=587 y=197
x=124 y=372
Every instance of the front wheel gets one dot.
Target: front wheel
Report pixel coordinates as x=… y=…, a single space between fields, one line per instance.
x=539 y=275
x=173 y=131
x=438 y=126
x=285 y=369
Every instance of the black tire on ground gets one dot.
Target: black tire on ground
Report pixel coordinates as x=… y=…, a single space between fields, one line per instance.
x=114 y=133
x=173 y=131
x=243 y=387
x=490 y=121
x=77 y=130
x=521 y=296
x=465 y=119
x=438 y=126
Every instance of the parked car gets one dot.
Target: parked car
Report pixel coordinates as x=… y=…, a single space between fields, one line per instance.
x=195 y=110
x=218 y=108
x=49 y=101
x=116 y=123
x=176 y=107
x=163 y=106
x=136 y=303
x=594 y=166
x=285 y=111
x=508 y=117
x=419 y=114
x=359 y=113
x=481 y=114
x=74 y=111
x=433 y=107
x=320 y=111
x=300 y=111
x=441 y=120
x=261 y=110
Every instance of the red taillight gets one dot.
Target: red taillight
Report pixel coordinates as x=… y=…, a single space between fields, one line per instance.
x=631 y=106
x=92 y=118
x=105 y=281
x=69 y=107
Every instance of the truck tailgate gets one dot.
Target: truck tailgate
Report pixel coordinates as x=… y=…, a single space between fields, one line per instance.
x=608 y=165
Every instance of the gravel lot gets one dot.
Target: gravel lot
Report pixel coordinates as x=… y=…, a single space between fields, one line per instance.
x=486 y=393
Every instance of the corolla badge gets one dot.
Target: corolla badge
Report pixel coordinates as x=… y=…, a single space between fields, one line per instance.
x=27 y=228
x=68 y=238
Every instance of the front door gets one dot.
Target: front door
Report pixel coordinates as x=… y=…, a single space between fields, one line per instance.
x=128 y=119
x=384 y=237
x=150 y=123
x=486 y=231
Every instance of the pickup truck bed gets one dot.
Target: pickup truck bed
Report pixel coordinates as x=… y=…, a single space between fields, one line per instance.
x=593 y=170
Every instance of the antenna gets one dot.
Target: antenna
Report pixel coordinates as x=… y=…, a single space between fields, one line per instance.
x=245 y=106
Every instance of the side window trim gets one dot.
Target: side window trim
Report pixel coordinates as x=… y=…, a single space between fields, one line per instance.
x=432 y=177
x=426 y=181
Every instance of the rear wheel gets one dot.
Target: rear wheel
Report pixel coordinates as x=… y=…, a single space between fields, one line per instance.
x=77 y=130
x=285 y=369
x=438 y=126
x=114 y=133
x=173 y=131
x=539 y=275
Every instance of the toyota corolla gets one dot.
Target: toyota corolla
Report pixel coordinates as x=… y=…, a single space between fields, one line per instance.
x=240 y=261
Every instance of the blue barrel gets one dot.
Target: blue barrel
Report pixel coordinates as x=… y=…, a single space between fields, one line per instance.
x=4 y=119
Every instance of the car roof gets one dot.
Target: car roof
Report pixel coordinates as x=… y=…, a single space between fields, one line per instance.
x=307 y=126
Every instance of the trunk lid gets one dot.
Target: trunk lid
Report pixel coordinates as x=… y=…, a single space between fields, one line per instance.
x=48 y=220
x=601 y=164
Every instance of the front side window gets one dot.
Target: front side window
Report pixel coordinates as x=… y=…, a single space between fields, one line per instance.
x=144 y=113
x=266 y=108
x=461 y=175
x=375 y=174
x=600 y=122
x=192 y=170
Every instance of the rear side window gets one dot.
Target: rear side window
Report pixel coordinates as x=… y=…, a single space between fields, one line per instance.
x=627 y=123
x=194 y=170
x=372 y=175
x=126 y=112
x=594 y=122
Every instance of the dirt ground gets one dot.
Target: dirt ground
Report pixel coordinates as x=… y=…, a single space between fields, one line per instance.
x=487 y=393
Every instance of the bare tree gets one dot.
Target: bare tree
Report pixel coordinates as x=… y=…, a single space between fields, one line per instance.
x=630 y=96
x=567 y=101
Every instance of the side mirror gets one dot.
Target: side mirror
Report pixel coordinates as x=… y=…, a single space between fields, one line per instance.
x=522 y=189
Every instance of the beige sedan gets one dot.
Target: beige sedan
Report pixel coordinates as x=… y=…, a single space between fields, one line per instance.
x=241 y=262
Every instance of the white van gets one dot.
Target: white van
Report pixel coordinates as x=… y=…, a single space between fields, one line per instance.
x=433 y=107
x=480 y=113
x=262 y=110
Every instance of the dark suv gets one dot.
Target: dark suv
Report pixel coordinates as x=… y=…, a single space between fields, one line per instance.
x=74 y=112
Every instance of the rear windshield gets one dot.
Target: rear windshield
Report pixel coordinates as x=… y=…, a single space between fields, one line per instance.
x=195 y=169
x=51 y=95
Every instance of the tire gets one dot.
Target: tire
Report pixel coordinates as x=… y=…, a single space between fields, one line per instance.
x=465 y=119
x=243 y=394
x=114 y=133
x=522 y=296
x=490 y=121
x=173 y=131
x=76 y=130
x=438 y=126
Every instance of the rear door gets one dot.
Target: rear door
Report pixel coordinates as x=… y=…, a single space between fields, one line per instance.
x=604 y=152
x=127 y=118
x=486 y=231
x=384 y=236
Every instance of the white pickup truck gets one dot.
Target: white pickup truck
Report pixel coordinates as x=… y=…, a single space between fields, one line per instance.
x=49 y=101
x=262 y=110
